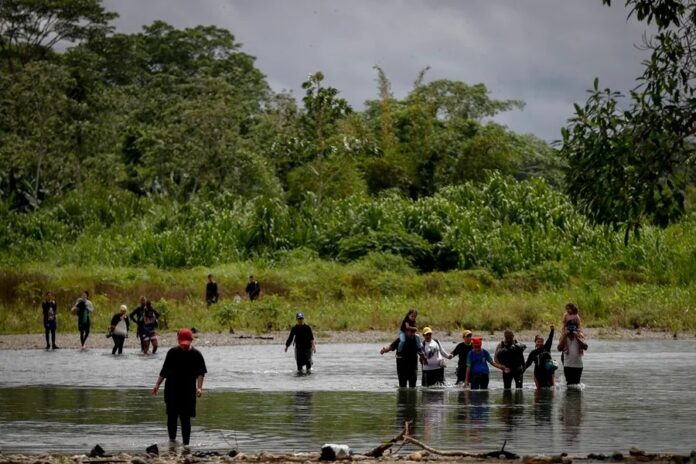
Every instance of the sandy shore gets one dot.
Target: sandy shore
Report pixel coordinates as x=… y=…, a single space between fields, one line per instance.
x=202 y=339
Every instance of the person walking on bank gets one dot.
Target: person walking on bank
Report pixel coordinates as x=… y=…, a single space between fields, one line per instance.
x=183 y=369
x=434 y=366
x=253 y=288
x=119 y=329
x=544 y=366
x=407 y=357
x=212 y=295
x=138 y=316
x=573 y=346
x=304 y=343
x=462 y=350
x=49 y=308
x=510 y=354
x=83 y=307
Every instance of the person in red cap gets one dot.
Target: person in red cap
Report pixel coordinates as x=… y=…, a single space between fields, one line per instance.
x=477 y=366
x=184 y=369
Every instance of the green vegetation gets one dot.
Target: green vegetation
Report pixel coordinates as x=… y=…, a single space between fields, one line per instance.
x=137 y=163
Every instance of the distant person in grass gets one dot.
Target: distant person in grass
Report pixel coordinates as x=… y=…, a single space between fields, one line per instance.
x=212 y=295
x=137 y=316
x=303 y=338
x=184 y=370
x=49 y=308
x=253 y=288
x=83 y=308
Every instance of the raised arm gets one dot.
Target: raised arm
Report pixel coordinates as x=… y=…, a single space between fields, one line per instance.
x=549 y=341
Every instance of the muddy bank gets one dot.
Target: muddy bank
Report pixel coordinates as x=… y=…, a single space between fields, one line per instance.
x=70 y=340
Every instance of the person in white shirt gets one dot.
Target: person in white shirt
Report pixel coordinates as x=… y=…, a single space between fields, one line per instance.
x=573 y=346
x=434 y=364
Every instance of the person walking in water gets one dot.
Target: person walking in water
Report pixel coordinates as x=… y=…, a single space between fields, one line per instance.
x=137 y=316
x=253 y=288
x=184 y=370
x=82 y=308
x=510 y=354
x=573 y=346
x=303 y=337
x=212 y=295
x=434 y=365
x=150 y=324
x=477 y=371
x=462 y=350
x=407 y=357
x=544 y=366
x=119 y=329
x=49 y=308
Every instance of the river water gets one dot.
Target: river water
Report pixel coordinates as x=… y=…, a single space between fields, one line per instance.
x=636 y=393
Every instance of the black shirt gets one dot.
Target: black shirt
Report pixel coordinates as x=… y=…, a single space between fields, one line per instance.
x=211 y=291
x=253 y=289
x=181 y=369
x=409 y=354
x=137 y=315
x=462 y=350
x=117 y=318
x=49 y=307
x=539 y=355
x=510 y=356
x=303 y=337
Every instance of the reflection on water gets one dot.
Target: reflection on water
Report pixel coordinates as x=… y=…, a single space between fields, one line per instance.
x=259 y=406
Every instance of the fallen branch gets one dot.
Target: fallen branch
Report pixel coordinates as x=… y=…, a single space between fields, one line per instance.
x=432 y=450
x=379 y=451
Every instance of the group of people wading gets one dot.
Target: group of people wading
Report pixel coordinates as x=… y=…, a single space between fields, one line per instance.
x=473 y=360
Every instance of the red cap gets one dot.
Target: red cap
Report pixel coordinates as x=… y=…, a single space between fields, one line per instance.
x=478 y=341
x=185 y=337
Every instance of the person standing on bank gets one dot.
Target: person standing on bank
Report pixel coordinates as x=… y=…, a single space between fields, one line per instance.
x=304 y=343
x=462 y=350
x=253 y=288
x=83 y=308
x=434 y=365
x=572 y=346
x=510 y=354
x=212 y=295
x=119 y=329
x=184 y=370
x=50 y=308
x=407 y=357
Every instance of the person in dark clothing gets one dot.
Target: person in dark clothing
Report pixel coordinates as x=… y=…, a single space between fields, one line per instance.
x=50 y=308
x=253 y=288
x=83 y=308
x=184 y=370
x=138 y=316
x=406 y=358
x=304 y=343
x=540 y=356
x=510 y=354
x=119 y=329
x=149 y=331
x=211 y=291
x=462 y=350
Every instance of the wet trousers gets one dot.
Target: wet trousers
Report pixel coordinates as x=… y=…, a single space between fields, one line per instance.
x=118 y=344
x=172 y=420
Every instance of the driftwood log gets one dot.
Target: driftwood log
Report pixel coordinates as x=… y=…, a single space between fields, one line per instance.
x=404 y=437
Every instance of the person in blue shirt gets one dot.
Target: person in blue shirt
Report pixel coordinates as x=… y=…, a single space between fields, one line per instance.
x=477 y=371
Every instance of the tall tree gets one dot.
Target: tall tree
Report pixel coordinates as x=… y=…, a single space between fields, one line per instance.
x=627 y=162
x=29 y=29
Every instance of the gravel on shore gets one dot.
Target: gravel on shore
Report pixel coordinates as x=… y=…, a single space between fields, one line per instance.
x=98 y=339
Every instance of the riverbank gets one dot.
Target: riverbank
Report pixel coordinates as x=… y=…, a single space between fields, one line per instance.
x=207 y=457
x=66 y=340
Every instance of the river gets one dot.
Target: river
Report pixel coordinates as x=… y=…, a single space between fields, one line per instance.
x=636 y=393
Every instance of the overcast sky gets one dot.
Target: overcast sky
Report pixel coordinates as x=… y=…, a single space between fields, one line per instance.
x=545 y=52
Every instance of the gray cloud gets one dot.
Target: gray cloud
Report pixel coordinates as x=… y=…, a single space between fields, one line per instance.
x=546 y=52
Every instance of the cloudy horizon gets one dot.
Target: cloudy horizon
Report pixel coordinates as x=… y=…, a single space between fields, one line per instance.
x=544 y=52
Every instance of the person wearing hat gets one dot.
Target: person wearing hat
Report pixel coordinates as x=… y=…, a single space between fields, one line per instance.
x=434 y=365
x=119 y=329
x=477 y=371
x=462 y=350
x=406 y=357
x=303 y=337
x=184 y=370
